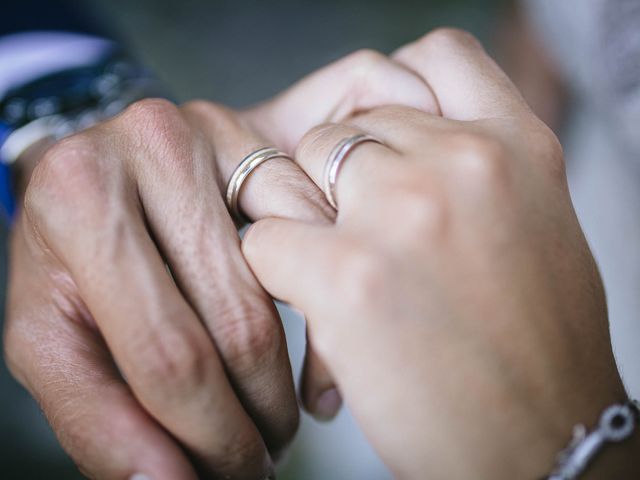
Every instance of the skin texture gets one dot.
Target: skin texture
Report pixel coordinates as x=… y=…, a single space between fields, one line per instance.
x=132 y=316
x=455 y=300
x=457 y=273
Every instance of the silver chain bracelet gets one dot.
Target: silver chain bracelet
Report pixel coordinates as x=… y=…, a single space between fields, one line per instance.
x=617 y=423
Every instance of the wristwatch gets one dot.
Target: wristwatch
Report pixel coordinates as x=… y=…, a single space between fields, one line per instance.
x=54 y=84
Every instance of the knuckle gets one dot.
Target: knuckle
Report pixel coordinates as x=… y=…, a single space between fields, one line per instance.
x=422 y=199
x=67 y=175
x=447 y=39
x=365 y=67
x=319 y=138
x=482 y=158
x=156 y=129
x=425 y=208
x=206 y=108
x=364 y=271
x=364 y=60
x=547 y=146
x=249 y=339
x=179 y=362
x=149 y=111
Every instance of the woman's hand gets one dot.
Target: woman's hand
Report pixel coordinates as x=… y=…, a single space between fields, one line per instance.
x=207 y=384
x=455 y=301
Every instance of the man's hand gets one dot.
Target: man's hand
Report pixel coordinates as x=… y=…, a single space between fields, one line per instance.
x=125 y=263
x=455 y=301
x=132 y=317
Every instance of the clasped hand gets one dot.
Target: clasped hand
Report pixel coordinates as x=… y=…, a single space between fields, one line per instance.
x=451 y=300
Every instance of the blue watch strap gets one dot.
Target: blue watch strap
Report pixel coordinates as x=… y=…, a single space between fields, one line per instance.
x=7 y=200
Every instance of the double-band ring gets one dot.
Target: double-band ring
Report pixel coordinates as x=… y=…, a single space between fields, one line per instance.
x=243 y=170
x=336 y=159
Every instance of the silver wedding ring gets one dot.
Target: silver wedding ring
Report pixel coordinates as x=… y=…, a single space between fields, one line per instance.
x=243 y=170
x=335 y=160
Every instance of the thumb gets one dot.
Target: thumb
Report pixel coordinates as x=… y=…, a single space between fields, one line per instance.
x=290 y=259
x=287 y=258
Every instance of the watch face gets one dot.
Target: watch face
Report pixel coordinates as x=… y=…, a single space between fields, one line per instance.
x=68 y=95
x=72 y=89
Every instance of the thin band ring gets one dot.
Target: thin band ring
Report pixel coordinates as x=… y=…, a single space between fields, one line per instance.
x=242 y=171
x=336 y=159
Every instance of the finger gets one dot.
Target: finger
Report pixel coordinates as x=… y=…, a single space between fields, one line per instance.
x=313 y=250
x=157 y=340
x=430 y=140
x=316 y=257
x=401 y=128
x=468 y=84
x=66 y=367
x=278 y=250
x=201 y=245
x=94 y=414
x=361 y=171
x=318 y=392
x=358 y=82
x=277 y=188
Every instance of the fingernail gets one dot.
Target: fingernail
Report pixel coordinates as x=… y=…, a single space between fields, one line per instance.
x=139 y=476
x=327 y=405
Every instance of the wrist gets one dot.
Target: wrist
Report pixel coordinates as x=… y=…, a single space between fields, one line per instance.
x=535 y=433
x=608 y=449
x=57 y=84
x=603 y=455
